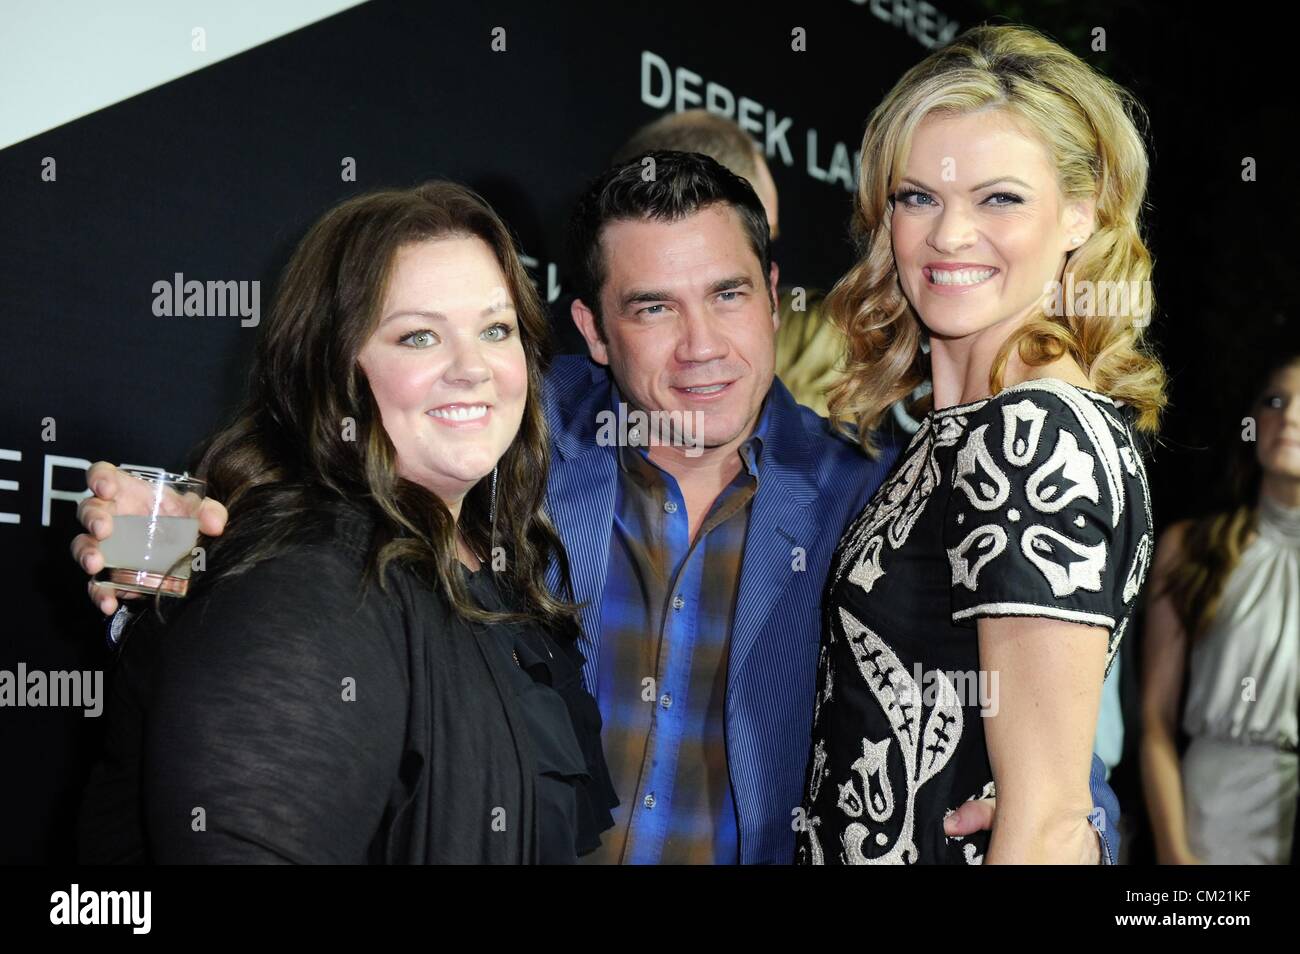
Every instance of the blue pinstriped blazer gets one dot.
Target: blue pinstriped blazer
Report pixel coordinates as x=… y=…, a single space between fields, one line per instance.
x=811 y=483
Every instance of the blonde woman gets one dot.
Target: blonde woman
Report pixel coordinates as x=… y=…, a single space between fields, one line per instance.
x=973 y=608
x=1225 y=612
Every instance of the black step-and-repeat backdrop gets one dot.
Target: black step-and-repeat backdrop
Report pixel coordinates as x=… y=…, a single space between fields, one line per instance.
x=214 y=176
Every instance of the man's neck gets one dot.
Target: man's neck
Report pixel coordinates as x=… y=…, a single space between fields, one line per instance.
x=703 y=474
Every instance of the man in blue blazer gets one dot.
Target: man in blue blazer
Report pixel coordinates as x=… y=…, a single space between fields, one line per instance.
x=812 y=484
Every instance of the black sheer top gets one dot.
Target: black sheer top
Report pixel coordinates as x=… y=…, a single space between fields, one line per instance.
x=575 y=794
x=291 y=714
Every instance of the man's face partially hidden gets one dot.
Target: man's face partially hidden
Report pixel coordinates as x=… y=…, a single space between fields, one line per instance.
x=689 y=322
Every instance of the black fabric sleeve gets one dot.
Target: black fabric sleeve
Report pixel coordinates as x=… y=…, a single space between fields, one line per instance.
x=1045 y=512
x=278 y=720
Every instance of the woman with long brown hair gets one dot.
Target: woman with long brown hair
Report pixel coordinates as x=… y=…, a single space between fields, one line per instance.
x=372 y=668
x=1224 y=620
x=973 y=608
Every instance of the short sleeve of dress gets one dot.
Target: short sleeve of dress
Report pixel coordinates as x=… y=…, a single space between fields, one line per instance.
x=1048 y=514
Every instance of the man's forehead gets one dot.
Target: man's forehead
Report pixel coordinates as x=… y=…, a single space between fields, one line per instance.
x=713 y=237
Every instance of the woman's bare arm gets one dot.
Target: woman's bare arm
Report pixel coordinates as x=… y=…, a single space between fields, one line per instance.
x=1164 y=659
x=1049 y=677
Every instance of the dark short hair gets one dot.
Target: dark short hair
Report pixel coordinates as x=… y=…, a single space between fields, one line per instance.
x=683 y=183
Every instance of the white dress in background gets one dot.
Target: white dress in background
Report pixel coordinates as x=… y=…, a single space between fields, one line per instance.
x=1239 y=772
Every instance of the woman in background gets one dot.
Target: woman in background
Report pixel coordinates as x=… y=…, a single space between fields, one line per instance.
x=1224 y=609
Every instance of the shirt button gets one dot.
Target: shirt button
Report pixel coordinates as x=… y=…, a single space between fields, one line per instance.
x=666 y=700
x=649 y=800
x=670 y=506
x=678 y=602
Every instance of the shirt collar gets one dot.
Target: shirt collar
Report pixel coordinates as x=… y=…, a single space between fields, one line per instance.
x=752 y=449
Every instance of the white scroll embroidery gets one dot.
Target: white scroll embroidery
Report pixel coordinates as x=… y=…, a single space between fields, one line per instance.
x=891 y=515
x=1098 y=431
x=983 y=482
x=1067 y=564
x=867 y=570
x=925 y=752
x=1126 y=455
x=949 y=429
x=1065 y=477
x=1138 y=571
x=987 y=541
x=819 y=769
x=1022 y=425
x=870 y=766
x=886 y=501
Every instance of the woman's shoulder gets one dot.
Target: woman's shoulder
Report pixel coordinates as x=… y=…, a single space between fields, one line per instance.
x=1055 y=394
x=308 y=576
x=1065 y=444
x=337 y=534
x=1045 y=472
x=1025 y=413
x=343 y=526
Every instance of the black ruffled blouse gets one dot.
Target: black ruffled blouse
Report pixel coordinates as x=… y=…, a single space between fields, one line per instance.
x=574 y=793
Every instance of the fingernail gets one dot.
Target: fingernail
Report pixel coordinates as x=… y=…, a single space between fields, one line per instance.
x=97 y=527
x=101 y=488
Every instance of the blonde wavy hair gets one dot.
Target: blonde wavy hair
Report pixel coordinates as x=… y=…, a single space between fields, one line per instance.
x=1090 y=126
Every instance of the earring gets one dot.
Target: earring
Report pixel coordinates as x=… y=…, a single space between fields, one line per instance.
x=492 y=509
x=1077 y=240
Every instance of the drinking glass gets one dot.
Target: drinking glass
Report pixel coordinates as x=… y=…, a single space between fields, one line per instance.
x=151 y=553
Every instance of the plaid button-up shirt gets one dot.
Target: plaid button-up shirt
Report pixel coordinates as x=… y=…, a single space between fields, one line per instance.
x=665 y=635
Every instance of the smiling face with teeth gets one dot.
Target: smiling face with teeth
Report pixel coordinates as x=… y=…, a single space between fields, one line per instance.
x=446 y=365
x=689 y=323
x=980 y=228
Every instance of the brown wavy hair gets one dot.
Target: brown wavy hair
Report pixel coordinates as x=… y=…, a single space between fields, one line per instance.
x=286 y=455
x=1090 y=126
x=1212 y=545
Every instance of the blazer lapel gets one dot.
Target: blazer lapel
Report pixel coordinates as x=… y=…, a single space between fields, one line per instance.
x=782 y=526
x=580 y=497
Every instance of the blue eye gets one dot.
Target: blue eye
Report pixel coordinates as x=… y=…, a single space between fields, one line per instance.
x=729 y=292
x=424 y=335
x=904 y=194
x=506 y=331
x=649 y=309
